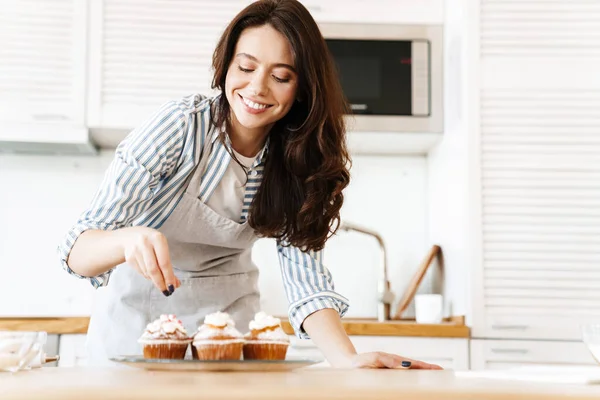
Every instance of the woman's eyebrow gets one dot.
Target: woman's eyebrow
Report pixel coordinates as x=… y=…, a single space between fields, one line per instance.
x=251 y=57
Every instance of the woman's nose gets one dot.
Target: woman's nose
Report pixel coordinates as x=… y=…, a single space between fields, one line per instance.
x=258 y=84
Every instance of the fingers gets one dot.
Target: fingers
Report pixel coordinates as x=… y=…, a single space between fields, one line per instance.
x=161 y=250
x=435 y=366
x=152 y=270
x=386 y=360
x=147 y=251
x=416 y=364
x=138 y=265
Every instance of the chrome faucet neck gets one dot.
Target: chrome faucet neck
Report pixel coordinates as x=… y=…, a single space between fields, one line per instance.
x=385 y=295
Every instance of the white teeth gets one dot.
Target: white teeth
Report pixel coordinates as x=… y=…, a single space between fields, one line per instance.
x=254 y=105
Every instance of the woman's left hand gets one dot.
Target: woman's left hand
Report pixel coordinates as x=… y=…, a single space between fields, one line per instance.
x=387 y=360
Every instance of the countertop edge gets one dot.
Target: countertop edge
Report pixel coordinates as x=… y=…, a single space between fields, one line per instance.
x=79 y=325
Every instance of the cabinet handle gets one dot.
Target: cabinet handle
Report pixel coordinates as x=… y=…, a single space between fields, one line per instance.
x=50 y=117
x=510 y=327
x=510 y=351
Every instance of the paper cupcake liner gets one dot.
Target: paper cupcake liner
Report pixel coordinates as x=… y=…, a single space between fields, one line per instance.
x=173 y=351
x=265 y=351
x=212 y=350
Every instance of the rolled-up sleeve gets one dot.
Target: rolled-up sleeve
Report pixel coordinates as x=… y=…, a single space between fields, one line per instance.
x=146 y=157
x=308 y=284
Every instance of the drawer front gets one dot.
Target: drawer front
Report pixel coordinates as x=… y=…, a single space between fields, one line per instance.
x=501 y=354
x=300 y=348
x=448 y=353
x=542 y=327
x=72 y=350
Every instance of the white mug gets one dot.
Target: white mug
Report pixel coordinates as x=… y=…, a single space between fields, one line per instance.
x=429 y=308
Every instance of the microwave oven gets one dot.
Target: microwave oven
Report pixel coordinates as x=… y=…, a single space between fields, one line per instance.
x=390 y=74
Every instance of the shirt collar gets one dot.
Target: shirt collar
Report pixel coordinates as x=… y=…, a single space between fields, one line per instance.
x=261 y=155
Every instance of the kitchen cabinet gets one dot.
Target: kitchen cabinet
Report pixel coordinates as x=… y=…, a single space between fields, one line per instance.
x=377 y=11
x=536 y=184
x=72 y=350
x=448 y=353
x=135 y=49
x=503 y=354
x=42 y=73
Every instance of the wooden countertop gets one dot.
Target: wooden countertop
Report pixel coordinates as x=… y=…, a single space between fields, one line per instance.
x=309 y=383
x=454 y=328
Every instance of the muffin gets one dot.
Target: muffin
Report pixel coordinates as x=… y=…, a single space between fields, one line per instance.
x=165 y=338
x=217 y=339
x=266 y=339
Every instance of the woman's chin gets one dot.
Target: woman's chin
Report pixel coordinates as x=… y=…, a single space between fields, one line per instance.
x=250 y=121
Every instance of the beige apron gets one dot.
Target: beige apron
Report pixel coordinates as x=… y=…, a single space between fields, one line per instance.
x=211 y=256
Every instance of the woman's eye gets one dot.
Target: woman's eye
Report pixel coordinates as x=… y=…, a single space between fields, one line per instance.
x=281 y=80
x=244 y=69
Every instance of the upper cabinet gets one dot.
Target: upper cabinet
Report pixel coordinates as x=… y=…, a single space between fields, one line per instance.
x=42 y=73
x=377 y=11
x=540 y=169
x=146 y=52
x=71 y=67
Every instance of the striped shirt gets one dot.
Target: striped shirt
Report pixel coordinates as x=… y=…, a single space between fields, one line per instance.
x=146 y=180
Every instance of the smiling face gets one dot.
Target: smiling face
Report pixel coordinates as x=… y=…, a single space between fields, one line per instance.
x=261 y=82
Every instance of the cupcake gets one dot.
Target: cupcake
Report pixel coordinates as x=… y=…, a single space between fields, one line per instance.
x=266 y=339
x=217 y=339
x=165 y=338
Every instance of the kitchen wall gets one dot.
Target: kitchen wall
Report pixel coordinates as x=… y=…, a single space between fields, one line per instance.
x=451 y=166
x=43 y=195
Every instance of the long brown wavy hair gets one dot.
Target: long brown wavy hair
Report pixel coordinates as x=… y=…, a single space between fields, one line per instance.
x=306 y=167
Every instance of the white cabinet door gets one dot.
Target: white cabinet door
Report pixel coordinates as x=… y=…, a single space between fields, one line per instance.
x=300 y=348
x=144 y=53
x=377 y=11
x=448 y=353
x=539 y=169
x=42 y=72
x=503 y=354
x=72 y=350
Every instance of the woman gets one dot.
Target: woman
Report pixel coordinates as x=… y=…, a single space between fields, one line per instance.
x=190 y=191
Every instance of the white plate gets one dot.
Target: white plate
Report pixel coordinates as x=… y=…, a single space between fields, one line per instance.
x=216 y=365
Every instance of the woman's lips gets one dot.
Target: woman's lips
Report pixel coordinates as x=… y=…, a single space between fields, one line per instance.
x=252 y=110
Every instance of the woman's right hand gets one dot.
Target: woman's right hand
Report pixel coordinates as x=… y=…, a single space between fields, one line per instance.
x=147 y=250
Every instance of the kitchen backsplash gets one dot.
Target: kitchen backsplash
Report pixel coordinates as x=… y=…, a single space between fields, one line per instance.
x=43 y=195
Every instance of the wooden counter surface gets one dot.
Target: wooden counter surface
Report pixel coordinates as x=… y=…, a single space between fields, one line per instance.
x=449 y=329
x=310 y=383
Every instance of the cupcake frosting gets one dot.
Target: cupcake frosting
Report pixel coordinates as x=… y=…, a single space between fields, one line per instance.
x=165 y=327
x=262 y=320
x=218 y=324
x=267 y=327
x=219 y=319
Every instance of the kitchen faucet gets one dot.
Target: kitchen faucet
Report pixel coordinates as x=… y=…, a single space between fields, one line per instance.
x=384 y=294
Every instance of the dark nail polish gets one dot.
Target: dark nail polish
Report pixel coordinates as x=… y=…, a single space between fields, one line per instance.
x=166 y=293
x=406 y=364
x=171 y=288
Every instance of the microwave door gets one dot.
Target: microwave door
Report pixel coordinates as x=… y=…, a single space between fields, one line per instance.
x=378 y=76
